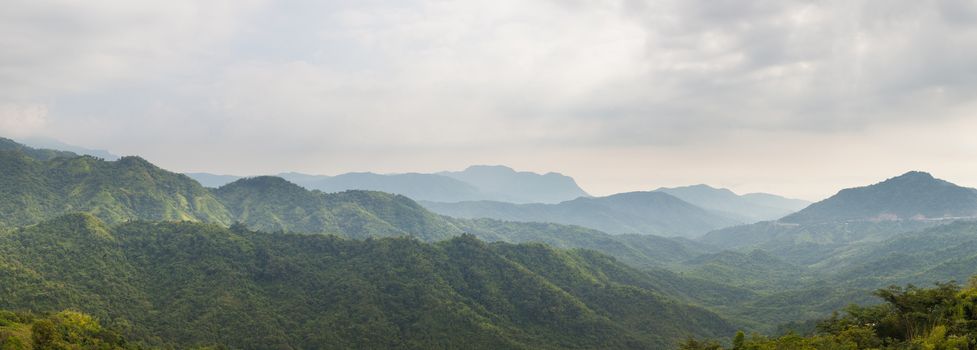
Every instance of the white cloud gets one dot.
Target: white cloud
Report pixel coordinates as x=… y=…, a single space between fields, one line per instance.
x=343 y=85
x=57 y=47
x=22 y=120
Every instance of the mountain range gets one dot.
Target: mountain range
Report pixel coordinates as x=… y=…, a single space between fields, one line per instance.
x=748 y=208
x=909 y=202
x=655 y=213
x=263 y=262
x=479 y=182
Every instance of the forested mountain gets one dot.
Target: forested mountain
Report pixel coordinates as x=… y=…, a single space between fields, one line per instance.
x=191 y=284
x=941 y=253
x=911 y=196
x=37 y=187
x=497 y=183
x=808 y=242
x=644 y=251
x=906 y=203
x=34 y=153
x=748 y=208
x=507 y=185
x=892 y=235
x=133 y=189
x=272 y=204
x=625 y=213
x=49 y=143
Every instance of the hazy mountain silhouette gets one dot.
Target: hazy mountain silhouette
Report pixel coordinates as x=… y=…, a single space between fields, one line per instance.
x=497 y=183
x=747 y=208
x=504 y=184
x=633 y=212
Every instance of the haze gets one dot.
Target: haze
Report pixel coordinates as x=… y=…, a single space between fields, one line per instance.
x=798 y=98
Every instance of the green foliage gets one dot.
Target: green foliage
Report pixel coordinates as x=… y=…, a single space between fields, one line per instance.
x=273 y=204
x=34 y=190
x=189 y=284
x=910 y=318
x=34 y=153
x=63 y=330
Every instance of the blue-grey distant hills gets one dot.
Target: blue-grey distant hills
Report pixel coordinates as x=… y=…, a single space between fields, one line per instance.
x=496 y=183
x=909 y=202
x=213 y=180
x=505 y=184
x=53 y=144
x=655 y=213
x=747 y=208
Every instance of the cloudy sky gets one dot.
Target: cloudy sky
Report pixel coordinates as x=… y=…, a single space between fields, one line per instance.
x=793 y=97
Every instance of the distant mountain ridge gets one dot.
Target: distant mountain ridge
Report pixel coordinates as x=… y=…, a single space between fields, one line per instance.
x=37 y=185
x=655 y=213
x=478 y=182
x=748 y=208
x=413 y=185
x=49 y=143
x=910 y=202
x=913 y=195
x=509 y=185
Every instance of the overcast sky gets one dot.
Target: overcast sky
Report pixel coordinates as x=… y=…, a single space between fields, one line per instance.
x=799 y=98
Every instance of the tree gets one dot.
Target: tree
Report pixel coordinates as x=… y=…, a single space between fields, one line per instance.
x=42 y=334
x=738 y=340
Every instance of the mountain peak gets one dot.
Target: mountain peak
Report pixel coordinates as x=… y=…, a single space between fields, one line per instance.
x=493 y=168
x=912 y=176
x=917 y=173
x=913 y=195
x=500 y=182
x=263 y=182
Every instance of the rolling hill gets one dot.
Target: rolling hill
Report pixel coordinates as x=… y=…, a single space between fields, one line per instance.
x=747 y=208
x=272 y=204
x=626 y=213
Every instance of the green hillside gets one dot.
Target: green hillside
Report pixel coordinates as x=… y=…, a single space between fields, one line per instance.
x=34 y=153
x=913 y=195
x=273 y=204
x=940 y=317
x=33 y=190
x=192 y=284
x=62 y=330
